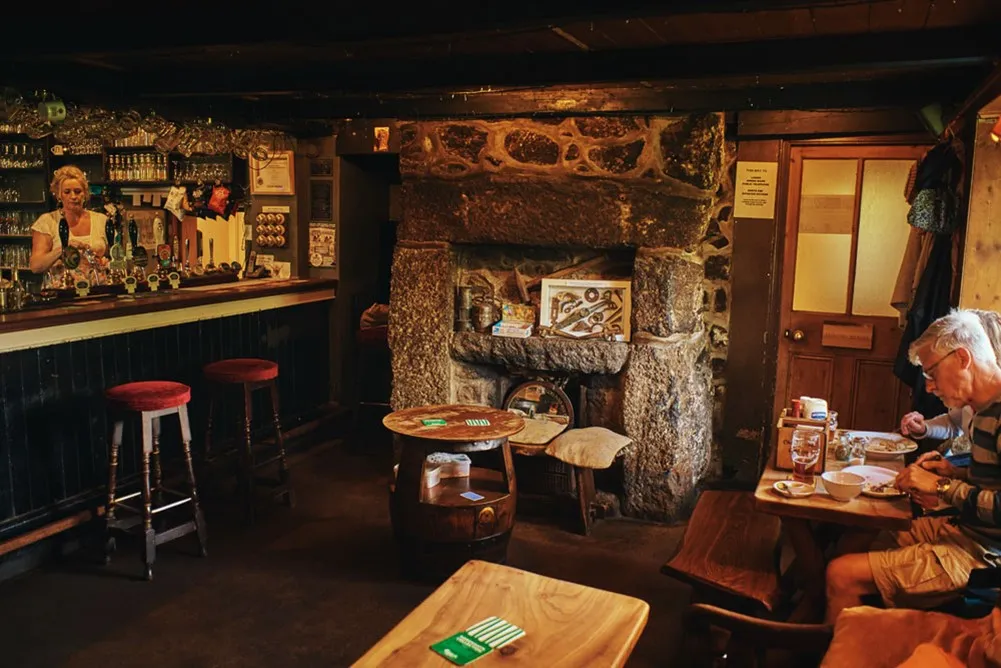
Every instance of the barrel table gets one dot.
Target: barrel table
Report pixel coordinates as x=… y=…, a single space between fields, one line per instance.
x=437 y=528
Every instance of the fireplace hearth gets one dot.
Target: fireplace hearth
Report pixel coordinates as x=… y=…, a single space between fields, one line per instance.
x=487 y=198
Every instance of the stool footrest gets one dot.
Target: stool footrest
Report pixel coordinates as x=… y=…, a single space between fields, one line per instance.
x=176 y=532
x=168 y=506
x=125 y=523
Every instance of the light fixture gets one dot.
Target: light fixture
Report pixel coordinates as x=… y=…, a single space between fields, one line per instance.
x=996 y=131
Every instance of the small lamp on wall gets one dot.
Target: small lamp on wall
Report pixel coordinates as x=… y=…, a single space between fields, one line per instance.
x=996 y=131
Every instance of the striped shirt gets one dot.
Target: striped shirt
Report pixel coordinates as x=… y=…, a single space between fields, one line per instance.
x=978 y=499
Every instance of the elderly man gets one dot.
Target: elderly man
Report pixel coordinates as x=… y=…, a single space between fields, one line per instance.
x=929 y=564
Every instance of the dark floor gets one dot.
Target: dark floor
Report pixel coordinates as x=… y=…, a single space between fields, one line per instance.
x=315 y=586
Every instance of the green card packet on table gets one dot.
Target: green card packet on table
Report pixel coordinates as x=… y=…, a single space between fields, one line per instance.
x=478 y=640
x=433 y=422
x=478 y=423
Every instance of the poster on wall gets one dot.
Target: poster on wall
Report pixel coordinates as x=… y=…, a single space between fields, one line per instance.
x=322 y=245
x=755 y=191
x=274 y=176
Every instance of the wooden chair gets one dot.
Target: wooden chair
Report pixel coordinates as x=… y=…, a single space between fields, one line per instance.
x=749 y=639
x=730 y=553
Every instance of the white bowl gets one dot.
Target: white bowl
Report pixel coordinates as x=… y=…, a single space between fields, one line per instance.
x=843 y=486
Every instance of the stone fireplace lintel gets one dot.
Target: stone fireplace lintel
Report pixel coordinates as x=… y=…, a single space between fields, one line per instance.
x=542 y=354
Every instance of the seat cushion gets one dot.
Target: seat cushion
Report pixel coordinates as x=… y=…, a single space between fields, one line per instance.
x=867 y=636
x=148 y=395
x=591 y=447
x=241 y=370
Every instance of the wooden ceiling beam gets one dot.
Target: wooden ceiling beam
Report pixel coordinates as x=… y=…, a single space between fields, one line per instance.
x=800 y=59
x=318 y=23
x=910 y=92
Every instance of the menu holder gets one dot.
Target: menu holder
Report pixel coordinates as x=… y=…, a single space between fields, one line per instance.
x=783 y=439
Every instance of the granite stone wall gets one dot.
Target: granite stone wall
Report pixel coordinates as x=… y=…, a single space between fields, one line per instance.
x=717 y=248
x=486 y=198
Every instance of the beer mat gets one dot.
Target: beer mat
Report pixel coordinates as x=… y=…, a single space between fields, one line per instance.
x=478 y=423
x=472 y=496
x=478 y=640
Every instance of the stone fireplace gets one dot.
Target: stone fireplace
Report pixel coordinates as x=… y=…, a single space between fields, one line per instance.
x=483 y=198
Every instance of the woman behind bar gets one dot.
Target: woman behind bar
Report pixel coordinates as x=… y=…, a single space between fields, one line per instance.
x=86 y=228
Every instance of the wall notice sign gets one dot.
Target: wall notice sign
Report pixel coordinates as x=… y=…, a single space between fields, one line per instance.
x=322 y=245
x=755 y=196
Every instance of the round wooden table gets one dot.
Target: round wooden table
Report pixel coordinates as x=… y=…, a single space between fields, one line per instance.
x=438 y=529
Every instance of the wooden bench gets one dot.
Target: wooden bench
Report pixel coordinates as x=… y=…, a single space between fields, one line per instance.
x=729 y=549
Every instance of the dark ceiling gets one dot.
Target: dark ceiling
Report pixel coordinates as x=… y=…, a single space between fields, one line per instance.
x=320 y=62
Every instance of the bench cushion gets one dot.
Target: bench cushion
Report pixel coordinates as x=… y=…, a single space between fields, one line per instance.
x=730 y=547
x=591 y=447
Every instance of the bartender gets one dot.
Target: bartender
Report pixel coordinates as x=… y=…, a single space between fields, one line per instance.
x=86 y=230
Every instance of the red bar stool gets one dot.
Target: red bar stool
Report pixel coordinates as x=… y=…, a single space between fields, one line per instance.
x=252 y=374
x=152 y=400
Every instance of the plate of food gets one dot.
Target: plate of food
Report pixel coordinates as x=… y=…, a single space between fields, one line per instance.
x=793 y=489
x=882 y=445
x=879 y=481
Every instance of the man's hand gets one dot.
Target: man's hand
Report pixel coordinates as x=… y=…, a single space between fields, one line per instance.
x=920 y=484
x=939 y=465
x=916 y=479
x=913 y=424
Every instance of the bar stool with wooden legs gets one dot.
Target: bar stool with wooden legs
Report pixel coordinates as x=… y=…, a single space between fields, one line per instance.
x=252 y=374
x=152 y=400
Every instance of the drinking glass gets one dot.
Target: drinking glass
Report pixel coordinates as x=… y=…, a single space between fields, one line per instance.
x=806 y=449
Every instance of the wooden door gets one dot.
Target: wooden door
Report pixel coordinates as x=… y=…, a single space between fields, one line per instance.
x=846 y=231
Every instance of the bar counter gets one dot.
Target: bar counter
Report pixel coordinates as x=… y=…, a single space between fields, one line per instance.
x=89 y=317
x=57 y=362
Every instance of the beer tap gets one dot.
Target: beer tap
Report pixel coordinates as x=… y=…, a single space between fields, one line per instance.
x=70 y=255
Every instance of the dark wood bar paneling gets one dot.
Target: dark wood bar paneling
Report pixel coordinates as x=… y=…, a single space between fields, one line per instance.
x=53 y=428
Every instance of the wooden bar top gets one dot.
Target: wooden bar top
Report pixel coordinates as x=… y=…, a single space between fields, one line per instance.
x=565 y=624
x=111 y=306
x=107 y=315
x=863 y=511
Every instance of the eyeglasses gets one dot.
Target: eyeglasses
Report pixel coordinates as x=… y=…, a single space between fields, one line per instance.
x=927 y=373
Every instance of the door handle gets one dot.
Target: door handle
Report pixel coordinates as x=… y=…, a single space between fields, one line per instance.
x=796 y=335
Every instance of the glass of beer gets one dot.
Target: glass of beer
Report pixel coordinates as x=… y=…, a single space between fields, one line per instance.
x=806 y=448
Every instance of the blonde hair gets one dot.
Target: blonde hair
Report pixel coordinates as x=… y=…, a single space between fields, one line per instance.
x=64 y=173
x=977 y=331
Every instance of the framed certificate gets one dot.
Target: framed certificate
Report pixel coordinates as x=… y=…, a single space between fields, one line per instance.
x=273 y=177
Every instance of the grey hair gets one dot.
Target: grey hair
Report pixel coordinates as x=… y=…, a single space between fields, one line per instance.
x=961 y=328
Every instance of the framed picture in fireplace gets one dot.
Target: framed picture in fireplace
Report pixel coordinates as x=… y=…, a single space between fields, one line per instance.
x=585 y=309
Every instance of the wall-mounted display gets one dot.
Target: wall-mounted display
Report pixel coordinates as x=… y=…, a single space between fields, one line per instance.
x=321 y=200
x=275 y=176
x=584 y=309
x=322 y=245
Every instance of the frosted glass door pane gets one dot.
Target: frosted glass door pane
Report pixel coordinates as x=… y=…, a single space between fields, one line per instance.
x=882 y=235
x=824 y=241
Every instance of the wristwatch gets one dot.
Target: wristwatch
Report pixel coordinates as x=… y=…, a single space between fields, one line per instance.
x=943 y=485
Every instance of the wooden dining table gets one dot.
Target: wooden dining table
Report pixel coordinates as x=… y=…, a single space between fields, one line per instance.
x=565 y=624
x=797 y=514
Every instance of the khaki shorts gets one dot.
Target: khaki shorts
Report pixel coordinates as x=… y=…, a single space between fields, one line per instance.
x=925 y=566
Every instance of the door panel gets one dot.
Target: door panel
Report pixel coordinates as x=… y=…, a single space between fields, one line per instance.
x=870 y=405
x=845 y=235
x=811 y=375
x=875 y=277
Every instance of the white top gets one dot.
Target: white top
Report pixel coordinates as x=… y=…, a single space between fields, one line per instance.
x=952 y=424
x=48 y=223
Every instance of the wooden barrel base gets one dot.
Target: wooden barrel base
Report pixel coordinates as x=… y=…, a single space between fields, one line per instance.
x=436 y=561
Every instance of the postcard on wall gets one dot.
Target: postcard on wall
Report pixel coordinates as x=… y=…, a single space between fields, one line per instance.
x=275 y=176
x=322 y=245
x=755 y=196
